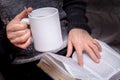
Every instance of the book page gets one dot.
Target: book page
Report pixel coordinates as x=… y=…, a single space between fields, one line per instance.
x=74 y=68
x=79 y=72
x=110 y=56
x=108 y=66
x=53 y=68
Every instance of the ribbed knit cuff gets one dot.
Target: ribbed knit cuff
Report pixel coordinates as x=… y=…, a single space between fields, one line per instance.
x=78 y=22
x=81 y=26
x=76 y=14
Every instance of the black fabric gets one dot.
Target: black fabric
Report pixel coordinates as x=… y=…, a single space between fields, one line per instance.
x=28 y=71
x=1 y=24
x=76 y=14
x=1 y=46
x=4 y=57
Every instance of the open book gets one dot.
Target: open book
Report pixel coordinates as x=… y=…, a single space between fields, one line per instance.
x=63 y=68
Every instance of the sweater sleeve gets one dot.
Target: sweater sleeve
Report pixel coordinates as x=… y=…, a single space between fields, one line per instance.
x=4 y=55
x=5 y=45
x=76 y=10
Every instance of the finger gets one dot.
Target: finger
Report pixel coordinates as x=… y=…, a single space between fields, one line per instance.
x=91 y=54
x=97 y=44
x=23 y=14
x=79 y=53
x=17 y=27
x=24 y=45
x=21 y=39
x=80 y=57
x=69 y=49
x=16 y=34
x=95 y=50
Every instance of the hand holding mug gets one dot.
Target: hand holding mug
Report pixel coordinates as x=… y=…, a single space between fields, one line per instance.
x=45 y=27
x=17 y=32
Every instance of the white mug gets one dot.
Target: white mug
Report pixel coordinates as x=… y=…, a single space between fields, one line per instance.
x=46 y=29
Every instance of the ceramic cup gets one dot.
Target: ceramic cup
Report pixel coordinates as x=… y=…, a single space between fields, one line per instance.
x=46 y=29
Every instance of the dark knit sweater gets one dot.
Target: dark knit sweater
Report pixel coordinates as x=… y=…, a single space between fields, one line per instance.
x=72 y=15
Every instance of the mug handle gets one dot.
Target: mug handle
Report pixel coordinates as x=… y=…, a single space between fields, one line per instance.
x=26 y=21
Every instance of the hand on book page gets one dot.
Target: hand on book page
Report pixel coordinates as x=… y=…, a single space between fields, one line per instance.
x=65 y=68
x=82 y=41
x=109 y=64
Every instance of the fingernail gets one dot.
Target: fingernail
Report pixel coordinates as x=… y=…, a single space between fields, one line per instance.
x=99 y=57
x=97 y=60
x=81 y=64
x=67 y=55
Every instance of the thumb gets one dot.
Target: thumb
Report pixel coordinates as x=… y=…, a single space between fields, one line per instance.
x=23 y=14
